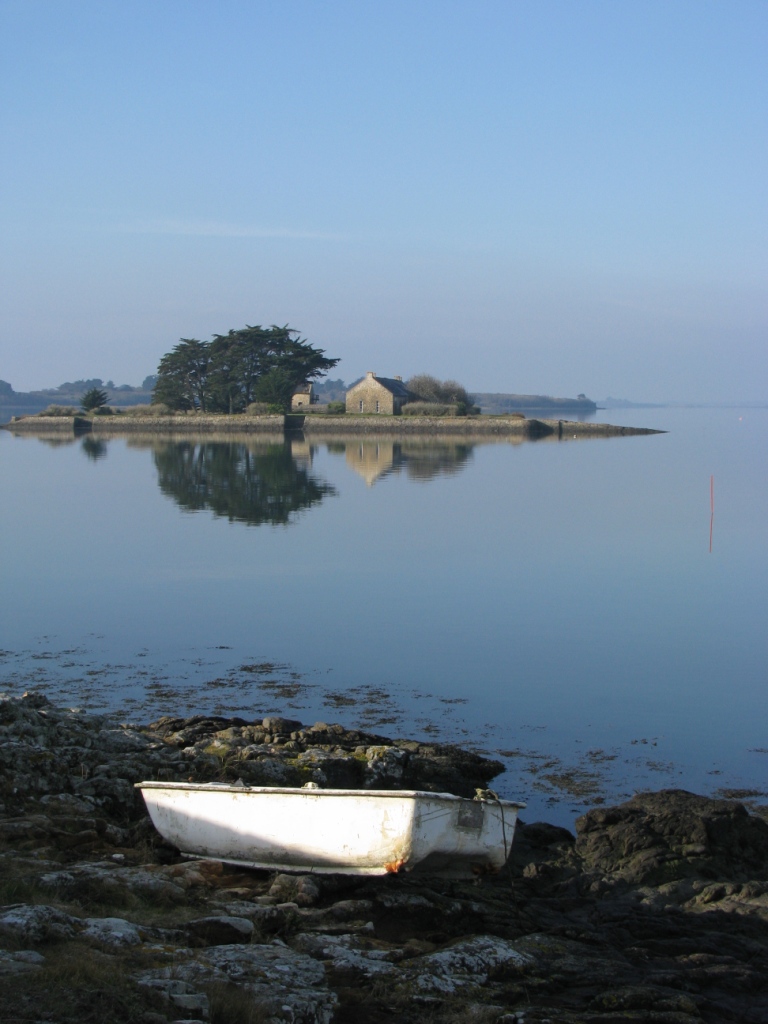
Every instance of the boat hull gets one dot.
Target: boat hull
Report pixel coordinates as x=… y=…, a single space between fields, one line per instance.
x=359 y=832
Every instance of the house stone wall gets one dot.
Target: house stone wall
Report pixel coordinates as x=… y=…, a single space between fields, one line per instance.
x=375 y=398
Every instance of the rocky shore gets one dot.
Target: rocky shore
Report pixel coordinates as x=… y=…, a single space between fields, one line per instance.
x=656 y=910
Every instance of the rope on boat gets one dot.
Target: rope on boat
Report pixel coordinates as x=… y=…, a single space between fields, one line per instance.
x=489 y=796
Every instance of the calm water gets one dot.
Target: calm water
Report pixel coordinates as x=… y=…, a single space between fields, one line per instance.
x=554 y=604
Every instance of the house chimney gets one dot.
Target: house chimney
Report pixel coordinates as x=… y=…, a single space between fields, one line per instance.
x=398 y=378
x=370 y=373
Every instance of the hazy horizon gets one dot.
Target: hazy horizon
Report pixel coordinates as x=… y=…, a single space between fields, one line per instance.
x=534 y=198
x=334 y=375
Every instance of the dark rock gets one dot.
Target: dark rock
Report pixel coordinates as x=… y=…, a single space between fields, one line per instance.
x=672 y=834
x=449 y=769
x=219 y=931
x=540 y=835
x=645 y=997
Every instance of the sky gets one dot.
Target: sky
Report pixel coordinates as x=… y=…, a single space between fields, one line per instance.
x=531 y=196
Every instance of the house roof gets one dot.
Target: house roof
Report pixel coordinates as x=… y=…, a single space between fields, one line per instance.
x=392 y=384
x=395 y=386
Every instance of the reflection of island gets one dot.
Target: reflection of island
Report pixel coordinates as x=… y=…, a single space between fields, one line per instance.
x=374 y=458
x=55 y=440
x=249 y=482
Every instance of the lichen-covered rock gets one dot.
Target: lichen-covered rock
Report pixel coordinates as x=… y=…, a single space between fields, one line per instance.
x=286 y=985
x=109 y=883
x=385 y=768
x=21 y=961
x=25 y=923
x=468 y=962
x=350 y=956
x=112 y=931
x=303 y=890
x=179 y=994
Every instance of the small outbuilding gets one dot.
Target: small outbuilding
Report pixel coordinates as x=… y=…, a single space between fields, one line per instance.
x=383 y=395
x=302 y=397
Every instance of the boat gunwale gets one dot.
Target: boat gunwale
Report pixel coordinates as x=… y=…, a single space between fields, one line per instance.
x=222 y=787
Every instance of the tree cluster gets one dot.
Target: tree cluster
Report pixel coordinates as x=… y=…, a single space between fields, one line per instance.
x=446 y=392
x=227 y=374
x=93 y=399
x=77 y=387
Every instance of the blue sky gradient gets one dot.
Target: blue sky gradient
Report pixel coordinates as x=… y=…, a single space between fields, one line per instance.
x=541 y=196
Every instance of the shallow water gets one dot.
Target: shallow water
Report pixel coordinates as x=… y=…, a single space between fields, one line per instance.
x=557 y=602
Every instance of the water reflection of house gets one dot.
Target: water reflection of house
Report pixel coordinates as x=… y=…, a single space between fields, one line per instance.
x=383 y=395
x=302 y=452
x=372 y=459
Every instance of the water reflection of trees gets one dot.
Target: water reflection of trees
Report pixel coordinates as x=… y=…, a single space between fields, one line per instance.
x=374 y=458
x=426 y=461
x=252 y=482
x=94 y=448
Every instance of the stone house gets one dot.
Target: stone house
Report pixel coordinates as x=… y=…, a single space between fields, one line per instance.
x=302 y=397
x=383 y=395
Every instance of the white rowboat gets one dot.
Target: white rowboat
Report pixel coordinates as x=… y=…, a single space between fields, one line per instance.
x=334 y=831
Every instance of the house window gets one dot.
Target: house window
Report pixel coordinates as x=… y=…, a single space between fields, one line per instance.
x=361 y=405
x=377 y=407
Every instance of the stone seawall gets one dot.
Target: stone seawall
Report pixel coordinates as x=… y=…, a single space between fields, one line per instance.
x=167 y=425
x=575 y=429
x=49 y=424
x=195 y=424
x=317 y=426
x=321 y=426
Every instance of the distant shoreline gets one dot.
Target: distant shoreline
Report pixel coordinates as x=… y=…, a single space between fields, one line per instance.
x=320 y=426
